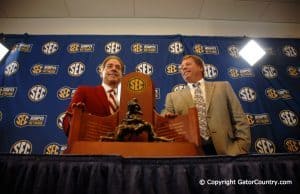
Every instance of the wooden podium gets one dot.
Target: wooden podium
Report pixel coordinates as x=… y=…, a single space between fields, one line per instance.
x=86 y=129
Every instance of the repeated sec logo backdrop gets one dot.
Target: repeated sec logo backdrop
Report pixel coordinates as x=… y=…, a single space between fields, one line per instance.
x=41 y=73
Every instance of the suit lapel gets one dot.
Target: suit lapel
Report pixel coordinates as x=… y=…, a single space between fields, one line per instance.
x=209 y=86
x=188 y=99
x=102 y=97
x=187 y=96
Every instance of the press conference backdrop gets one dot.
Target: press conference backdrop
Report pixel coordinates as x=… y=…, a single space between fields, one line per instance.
x=41 y=73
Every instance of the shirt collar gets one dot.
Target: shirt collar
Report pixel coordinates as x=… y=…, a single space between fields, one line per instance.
x=107 y=88
x=191 y=85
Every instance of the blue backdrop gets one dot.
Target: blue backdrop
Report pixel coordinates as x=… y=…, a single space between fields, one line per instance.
x=41 y=72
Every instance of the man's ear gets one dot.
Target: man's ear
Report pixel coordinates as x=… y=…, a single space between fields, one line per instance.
x=101 y=70
x=202 y=69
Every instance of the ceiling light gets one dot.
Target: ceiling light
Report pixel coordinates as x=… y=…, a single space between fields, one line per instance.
x=252 y=52
x=3 y=51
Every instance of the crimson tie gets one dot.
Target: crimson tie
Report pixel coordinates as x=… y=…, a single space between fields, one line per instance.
x=113 y=107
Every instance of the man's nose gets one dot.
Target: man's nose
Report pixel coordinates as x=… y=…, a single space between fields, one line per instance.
x=114 y=67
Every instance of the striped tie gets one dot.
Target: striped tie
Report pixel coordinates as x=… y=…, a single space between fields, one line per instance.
x=201 y=108
x=113 y=107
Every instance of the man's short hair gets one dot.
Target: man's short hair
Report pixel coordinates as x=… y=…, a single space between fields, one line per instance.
x=102 y=66
x=196 y=58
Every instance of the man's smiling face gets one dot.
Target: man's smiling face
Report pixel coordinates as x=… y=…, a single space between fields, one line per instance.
x=112 y=72
x=191 y=71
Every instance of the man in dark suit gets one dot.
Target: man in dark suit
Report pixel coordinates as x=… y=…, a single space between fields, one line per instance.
x=101 y=100
x=224 y=128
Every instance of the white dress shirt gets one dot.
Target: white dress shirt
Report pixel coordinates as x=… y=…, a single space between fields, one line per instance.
x=202 y=88
x=116 y=90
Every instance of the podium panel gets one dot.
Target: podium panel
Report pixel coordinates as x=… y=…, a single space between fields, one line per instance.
x=183 y=128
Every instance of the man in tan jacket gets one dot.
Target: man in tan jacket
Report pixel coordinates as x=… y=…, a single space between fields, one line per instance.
x=226 y=127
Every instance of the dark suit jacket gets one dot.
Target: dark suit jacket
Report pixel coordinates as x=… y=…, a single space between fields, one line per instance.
x=95 y=100
x=226 y=120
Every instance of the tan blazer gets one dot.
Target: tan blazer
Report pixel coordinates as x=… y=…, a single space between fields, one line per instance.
x=226 y=120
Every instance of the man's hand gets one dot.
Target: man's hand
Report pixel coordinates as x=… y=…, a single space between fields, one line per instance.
x=79 y=105
x=170 y=115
